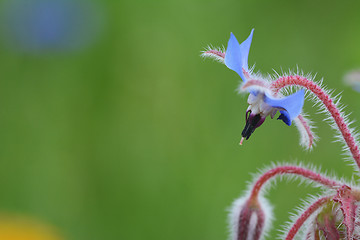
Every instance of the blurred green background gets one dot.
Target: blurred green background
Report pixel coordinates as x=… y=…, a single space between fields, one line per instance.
x=135 y=136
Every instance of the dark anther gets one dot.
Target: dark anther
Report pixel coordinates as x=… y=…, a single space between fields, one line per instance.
x=251 y=125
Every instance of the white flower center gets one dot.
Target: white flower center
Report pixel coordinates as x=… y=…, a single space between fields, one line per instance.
x=258 y=106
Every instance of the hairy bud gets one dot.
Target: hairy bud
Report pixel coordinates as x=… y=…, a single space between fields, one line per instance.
x=249 y=218
x=328 y=221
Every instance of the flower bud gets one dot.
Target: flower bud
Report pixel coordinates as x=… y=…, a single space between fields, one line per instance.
x=249 y=218
x=326 y=222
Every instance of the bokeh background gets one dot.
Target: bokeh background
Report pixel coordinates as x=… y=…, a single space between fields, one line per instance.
x=113 y=127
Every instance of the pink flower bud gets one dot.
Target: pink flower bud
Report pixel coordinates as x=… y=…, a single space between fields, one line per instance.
x=249 y=219
x=326 y=222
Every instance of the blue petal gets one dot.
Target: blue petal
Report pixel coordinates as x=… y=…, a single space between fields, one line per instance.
x=290 y=106
x=236 y=56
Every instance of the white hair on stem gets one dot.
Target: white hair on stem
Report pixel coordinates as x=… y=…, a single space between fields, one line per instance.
x=217 y=54
x=305 y=127
x=335 y=100
x=234 y=213
x=289 y=177
x=309 y=201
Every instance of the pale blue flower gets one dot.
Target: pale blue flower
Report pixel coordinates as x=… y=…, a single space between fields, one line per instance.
x=262 y=103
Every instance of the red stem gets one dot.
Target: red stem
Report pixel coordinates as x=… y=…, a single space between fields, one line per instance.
x=217 y=53
x=307 y=129
x=253 y=82
x=300 y=221
x=329 y=104
x=291 y=170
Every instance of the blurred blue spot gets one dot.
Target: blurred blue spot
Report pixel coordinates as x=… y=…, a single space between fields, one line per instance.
x=50 y=25
x=352 y=79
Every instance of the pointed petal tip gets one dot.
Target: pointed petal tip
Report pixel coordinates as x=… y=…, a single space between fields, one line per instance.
x=290 y=106
x=232 y=36
x=251 y=33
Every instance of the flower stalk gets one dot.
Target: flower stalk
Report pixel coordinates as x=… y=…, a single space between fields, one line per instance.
x=340 y=219
x=329 y=104
x=292 y=170
x=308 y=212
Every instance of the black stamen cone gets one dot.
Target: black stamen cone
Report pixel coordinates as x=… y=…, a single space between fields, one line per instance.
x=250 y=126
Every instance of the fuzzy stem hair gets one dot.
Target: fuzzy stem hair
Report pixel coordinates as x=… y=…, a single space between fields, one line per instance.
x=310 y=135
x=216 y=54
x=305 y=215
x=329 y=104
x=295 y=170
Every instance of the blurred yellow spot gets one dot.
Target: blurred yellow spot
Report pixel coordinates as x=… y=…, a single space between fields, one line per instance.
x=25 y=229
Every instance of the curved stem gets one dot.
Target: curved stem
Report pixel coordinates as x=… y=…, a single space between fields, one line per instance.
x=307 y=137
x=216 y=52
x=295 y=170
x=329 y=104
x=300 y=221
x=254 y=83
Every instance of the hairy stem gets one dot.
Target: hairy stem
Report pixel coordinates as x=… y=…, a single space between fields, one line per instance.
x=307 y=129
x=329 y=104
x=300 y=221
x=295 y=170
x=216 y=52
x=254 y=83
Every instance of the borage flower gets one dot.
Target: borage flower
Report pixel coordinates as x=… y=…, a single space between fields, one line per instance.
x=332 y=215
x=262 y=100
